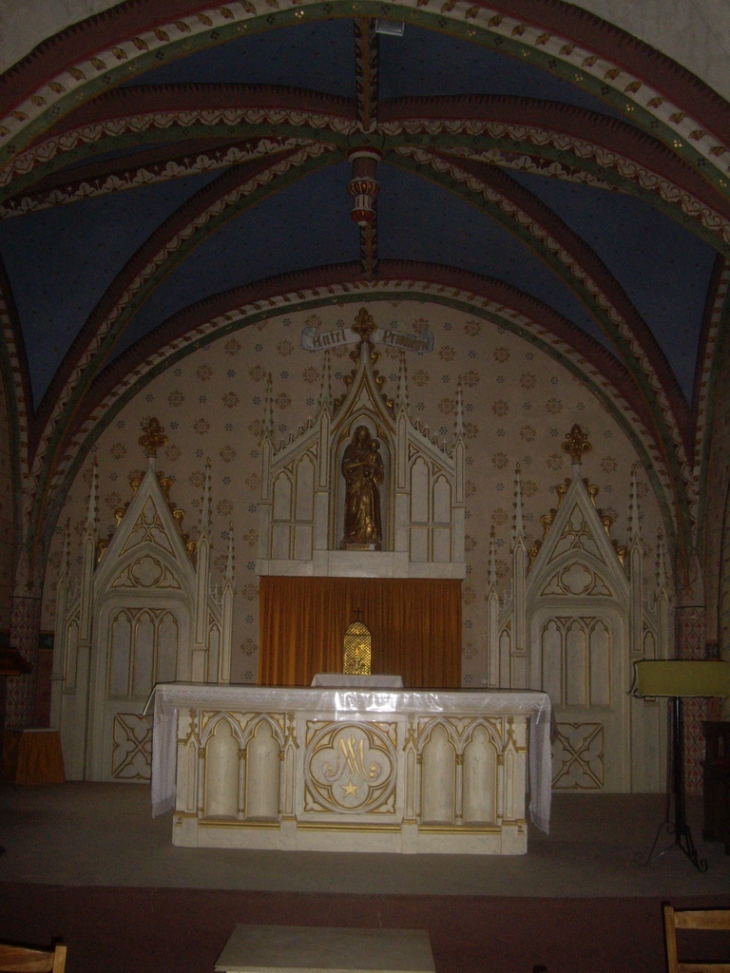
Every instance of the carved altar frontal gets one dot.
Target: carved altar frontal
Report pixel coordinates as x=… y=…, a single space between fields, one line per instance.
x=351 y=770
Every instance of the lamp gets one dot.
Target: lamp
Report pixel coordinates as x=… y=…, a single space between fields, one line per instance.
x=679 y=678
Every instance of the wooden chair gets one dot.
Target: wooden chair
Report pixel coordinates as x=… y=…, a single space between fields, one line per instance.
x=18 y=959
x=708 y=919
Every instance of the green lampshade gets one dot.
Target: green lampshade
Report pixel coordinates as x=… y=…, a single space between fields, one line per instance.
x=681 y=677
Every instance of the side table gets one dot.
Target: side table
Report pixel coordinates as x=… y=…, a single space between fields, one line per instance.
x=314 y=949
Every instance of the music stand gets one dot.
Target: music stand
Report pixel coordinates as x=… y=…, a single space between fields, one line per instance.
x=677 y=679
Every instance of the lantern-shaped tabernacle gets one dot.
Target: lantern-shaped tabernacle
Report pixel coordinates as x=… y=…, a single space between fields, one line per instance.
x=357 y=650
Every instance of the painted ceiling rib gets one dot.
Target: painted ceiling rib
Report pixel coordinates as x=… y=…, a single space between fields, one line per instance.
x=196 y=219
x=502 y=131
x=563 y=251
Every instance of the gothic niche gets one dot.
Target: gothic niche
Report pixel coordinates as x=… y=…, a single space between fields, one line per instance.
x=362 y=489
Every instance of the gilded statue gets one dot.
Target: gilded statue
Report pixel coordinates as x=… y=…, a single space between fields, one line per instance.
x=362 y=468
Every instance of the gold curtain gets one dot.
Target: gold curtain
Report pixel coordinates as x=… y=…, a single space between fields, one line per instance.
x=415 y=624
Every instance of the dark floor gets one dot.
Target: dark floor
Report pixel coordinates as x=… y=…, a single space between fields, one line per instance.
x=86 y=834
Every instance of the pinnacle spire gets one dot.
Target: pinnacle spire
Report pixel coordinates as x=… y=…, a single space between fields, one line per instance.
x=459 y=409
x=402 y=402
x=268 y=426
x=325 y=395
x=229 y=557
x=93 y=497
x=518 y=527
x=634 y=525
x=661 y=564
x=492 y=565
x=205 y=508
x=65 y=565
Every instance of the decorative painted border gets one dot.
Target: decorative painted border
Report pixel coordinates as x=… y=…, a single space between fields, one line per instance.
x=544 y=233
x=213 y=318
x=631 y=76
x=716 y=334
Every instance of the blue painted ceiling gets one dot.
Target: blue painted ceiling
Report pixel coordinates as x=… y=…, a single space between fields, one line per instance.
x=60 y=261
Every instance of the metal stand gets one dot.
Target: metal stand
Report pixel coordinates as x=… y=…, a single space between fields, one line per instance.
x=678 y=828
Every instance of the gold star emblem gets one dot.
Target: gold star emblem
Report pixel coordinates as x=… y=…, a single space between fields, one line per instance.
x=351 y=789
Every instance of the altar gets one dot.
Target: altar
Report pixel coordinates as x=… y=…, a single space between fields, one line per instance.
x=345 y=769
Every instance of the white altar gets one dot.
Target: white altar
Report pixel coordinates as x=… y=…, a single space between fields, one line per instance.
x=325 y=769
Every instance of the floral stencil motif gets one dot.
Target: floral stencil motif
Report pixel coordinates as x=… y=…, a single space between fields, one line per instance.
x=224 y=507
x=112 y=500
x=500 y=516
x=118 y=450
x=176 y=398
x=250 y=591
x=249 y=647
x=232 y=347
x=447 y=353
x=471 y=431
x=470 y=543
x=253 y=482
x=468 y=595
x=311 y=375
x=251 y=537
x=173 y=453
x=201 y=426
x=554 y=461
x=470 y=379
x=499 y=460
x=609 y=464
x=527 y=433
x=420 y=378
x=230 y=400
x=472 y=328
x=204 y=373
x=227 y=454
x=257 y=373
x=197 y=479
x=420 y=325
x=553 y=406
x=282 y=400
x=285 y=347
x=448 y=407
x=528 y=380
x=470 y=488
x=501 y=354
x=500 y=407
x=529 y=488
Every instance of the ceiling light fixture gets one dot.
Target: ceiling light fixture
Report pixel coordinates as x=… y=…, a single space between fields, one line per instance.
x=393 y=27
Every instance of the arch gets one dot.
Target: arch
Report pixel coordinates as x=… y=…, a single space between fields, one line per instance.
x=631 y=76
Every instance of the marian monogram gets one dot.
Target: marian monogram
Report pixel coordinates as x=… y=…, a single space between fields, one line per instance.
x=350 y=766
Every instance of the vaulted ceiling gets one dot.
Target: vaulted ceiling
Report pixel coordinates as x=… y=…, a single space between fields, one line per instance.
x=165 y=163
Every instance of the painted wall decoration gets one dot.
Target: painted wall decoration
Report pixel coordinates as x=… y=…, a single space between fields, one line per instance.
x=518 y=406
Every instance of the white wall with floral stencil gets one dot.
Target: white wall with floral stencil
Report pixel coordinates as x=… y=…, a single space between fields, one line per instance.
x=519 y=404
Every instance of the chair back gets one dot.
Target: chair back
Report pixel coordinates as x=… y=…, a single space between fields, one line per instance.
x=18 y=959
x=707 y=919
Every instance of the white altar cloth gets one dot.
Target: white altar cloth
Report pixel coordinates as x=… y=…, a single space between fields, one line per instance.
x=346 y=704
